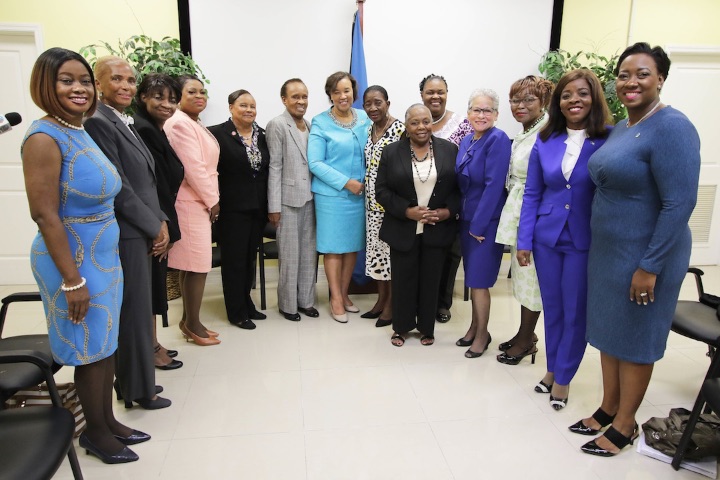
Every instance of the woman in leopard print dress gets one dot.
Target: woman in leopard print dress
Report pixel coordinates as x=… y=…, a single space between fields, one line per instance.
x=384 y=130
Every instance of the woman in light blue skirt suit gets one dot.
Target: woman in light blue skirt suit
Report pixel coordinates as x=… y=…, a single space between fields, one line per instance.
x=336 y=160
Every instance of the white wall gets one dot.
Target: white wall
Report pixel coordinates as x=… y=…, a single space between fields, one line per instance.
x=472 y=43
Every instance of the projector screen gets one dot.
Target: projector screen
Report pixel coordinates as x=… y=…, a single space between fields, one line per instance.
x=257 y=45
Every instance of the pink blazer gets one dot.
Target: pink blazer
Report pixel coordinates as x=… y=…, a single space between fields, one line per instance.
x=199 y=153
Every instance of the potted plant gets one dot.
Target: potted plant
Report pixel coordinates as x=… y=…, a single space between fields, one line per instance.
x=146 y=55
x=555 y=63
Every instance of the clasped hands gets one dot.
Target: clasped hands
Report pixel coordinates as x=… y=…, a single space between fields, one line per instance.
x=425 y=215
x=161 y=243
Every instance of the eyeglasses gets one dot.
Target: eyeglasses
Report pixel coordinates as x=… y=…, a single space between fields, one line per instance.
x=482 y=111
x=525 y=101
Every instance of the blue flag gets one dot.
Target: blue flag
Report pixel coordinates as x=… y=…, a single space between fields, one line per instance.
x=357 y=62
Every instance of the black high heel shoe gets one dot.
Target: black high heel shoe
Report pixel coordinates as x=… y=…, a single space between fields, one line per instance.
x=464 y=343
x=149 y=404
x=558 y=403
x=600 y=417
x=614 y=437
x=136 y=436
x=505 y=346
x=515 y=359
x=118 y=393
x=470 y=354
x=543 y=387
x=123 y=456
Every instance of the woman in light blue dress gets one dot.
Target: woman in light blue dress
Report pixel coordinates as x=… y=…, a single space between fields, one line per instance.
x=71 y=187
x=337 y=162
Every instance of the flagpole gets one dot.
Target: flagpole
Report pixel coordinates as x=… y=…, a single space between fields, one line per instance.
x=360 y=13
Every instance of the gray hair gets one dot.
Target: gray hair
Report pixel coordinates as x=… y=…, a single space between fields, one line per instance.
x=413 y=107
x=485 y=92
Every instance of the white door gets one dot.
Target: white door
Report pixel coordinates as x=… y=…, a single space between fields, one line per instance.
x=694 y=75
x=18 y=51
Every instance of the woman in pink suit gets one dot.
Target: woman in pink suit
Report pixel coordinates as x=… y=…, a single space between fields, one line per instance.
x=197 y=204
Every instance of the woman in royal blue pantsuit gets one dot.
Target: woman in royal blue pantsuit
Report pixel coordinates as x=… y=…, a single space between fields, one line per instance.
x=482 y=164
x=555 y=221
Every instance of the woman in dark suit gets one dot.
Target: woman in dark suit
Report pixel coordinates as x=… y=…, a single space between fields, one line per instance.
x=143 y=229
x=482 y=164
x=243 y=178
x=416 y=187
x=157 y=99
x=555 y=222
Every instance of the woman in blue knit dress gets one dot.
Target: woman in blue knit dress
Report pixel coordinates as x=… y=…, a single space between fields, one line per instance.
x=647 y=178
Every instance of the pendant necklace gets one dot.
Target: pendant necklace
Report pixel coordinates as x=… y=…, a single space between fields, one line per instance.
x=627 y=125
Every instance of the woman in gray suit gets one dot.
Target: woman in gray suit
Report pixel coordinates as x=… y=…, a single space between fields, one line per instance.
x=143 y=229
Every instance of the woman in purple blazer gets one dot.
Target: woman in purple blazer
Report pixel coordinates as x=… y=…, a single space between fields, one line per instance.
x=555 y=221
x=482 y=163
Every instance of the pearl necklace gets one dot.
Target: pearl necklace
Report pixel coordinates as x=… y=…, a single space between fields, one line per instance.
x=435 y=122
x=627 y=125
x=68 y=124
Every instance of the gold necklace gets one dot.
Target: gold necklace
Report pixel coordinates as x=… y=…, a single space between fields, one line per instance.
x=378 y=137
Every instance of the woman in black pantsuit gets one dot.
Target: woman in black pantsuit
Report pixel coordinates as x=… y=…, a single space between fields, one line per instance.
x=416 y=186
x=243 y=177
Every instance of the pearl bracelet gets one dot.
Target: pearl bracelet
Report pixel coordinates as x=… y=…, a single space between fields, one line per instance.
x=76 y=287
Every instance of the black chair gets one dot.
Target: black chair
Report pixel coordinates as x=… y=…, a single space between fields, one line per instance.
x=698 y=321
x=35 y=440
x=19 y=376
x=266 y=251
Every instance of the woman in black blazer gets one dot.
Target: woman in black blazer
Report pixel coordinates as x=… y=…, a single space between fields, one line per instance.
x=416 y=186
x=243 y=178
x=157 y=99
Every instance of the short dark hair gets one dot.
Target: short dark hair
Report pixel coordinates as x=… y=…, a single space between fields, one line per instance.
x=283 y=89
x=376 y=88
x=335 y=78
x=432 y=76
x=236 y=94
x=157 y=83
x=44 y=76
x=662 y=61
x=183 y=79
x=599 y=116
x=538 y=86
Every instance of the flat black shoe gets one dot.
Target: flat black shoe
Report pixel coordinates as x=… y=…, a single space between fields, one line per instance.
x=464 y=343
x=246 y=325
x=543 y=387
x=383 y=323
x=443 y=317
x=149 y=404
x=123 y=456
x=293 y=317
x=173 y=365
x=558 y=403
x=172 y=353
x=255 y=315
x=615 y=437
x=116 y=386
x=515 y=359
x=309 y=312
x=135 y=437
x=427 y=340
x=371 y=314
x=600 y=416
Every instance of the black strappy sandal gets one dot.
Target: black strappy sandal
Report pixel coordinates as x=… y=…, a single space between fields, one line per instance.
x=615 y=437
x=600 y=417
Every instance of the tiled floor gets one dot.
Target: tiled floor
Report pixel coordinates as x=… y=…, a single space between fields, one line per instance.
x=322 y=400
